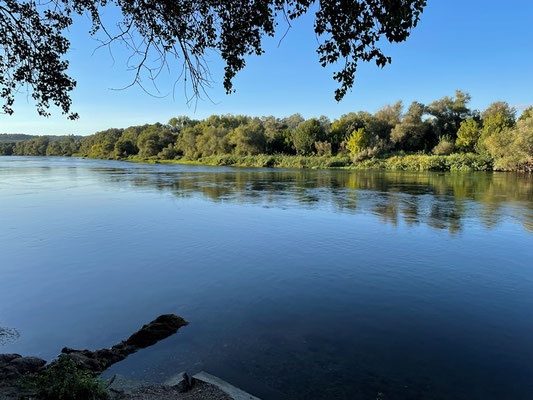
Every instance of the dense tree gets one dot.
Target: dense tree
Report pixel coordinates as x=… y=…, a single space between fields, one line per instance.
x=385 y=120
x=54 y=149
x=168 y=153
x=33 y=147
x=527 y=113
x=125 y=148
x=186 y=143
x=513 y=150
x=357 y=141
x=342 y=128
x=279 y=138
x=153 y=139
x=306 y=134
x=249 y=138
x=409 y=134
x=178 y=123
x=503 y=108
x=6 y=149
x=468 y=135
x=213 y=141
x=496 y=137
x=448 y=113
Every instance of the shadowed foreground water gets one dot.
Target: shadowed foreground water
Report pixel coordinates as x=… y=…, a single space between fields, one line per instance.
x=297 y=284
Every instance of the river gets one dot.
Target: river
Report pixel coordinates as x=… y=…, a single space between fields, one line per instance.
x=297 y=284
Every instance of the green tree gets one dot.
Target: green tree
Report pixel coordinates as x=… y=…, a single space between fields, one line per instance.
x=410 y=133
x=448 y=113
x=125 y=148
x=249 y=138
x=385 y=119
x=178 y=123
x=6 y=149
x=468 y=135
x=512 y=149
x=213 y=141
x=306 y=134
x=168 y=153
x=34 y=42
x=153 y=139
x=54 y=149
x=503 y=108
x=342 y=128
x=279 y=137
x=527 y=113
x=357 y=141
x=495 y=135
x=186 y=143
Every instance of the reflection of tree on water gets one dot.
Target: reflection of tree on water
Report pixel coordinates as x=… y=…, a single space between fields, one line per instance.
x=439 y=200
x=8 y=335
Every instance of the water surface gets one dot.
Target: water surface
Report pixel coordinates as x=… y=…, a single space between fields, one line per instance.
x=296 y=284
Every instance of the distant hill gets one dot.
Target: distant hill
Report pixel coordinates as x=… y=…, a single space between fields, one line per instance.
x=20 y=137
x=15 y=137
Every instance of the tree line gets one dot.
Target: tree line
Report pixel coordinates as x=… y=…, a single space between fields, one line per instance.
x=43 y=146
x=443 y=127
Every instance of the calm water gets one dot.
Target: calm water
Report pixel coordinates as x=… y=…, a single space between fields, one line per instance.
x=297 y=284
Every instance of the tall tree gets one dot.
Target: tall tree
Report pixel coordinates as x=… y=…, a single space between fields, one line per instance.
x=409 y=134
x=305 y=136
x=448 y=114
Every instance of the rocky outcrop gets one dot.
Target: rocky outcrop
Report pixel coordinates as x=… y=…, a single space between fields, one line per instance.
x=99 y=360
x=13 y=367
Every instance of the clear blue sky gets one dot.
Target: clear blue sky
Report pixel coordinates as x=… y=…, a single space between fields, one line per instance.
x=484 y=47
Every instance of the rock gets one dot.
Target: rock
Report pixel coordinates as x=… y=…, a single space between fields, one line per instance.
x=151 y=333
x=7 y=358
x=14 y=366
x=159 y=329
x=180 y=381
x=122 y=385
x=26 y=365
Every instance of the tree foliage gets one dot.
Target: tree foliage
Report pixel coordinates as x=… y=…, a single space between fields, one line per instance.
x=305 y=136
x=163 y=34
x=468 y=135
x=357 y=142
x=493 y=134
x=409 y=134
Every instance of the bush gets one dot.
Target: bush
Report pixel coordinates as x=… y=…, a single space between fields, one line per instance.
x=423 y=162
x=445 y=146
x=64 y=379
x=323 y=148
x=365 y=154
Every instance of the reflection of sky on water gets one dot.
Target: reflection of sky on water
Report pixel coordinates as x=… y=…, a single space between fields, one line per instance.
x=297 y=284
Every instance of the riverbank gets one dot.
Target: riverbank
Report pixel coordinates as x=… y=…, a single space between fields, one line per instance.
x=405 y=162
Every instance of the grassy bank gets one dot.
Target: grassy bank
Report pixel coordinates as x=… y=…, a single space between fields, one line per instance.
x=413 y=162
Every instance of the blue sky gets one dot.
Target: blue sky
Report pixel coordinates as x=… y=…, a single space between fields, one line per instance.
x=484 y=47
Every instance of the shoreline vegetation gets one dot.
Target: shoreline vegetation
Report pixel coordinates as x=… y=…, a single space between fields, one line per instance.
x=397 y=162
x=445 y=135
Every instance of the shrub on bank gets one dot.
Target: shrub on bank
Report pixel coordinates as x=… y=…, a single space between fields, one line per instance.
x=65 y=379
x=423 y=162
x=397 y=162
